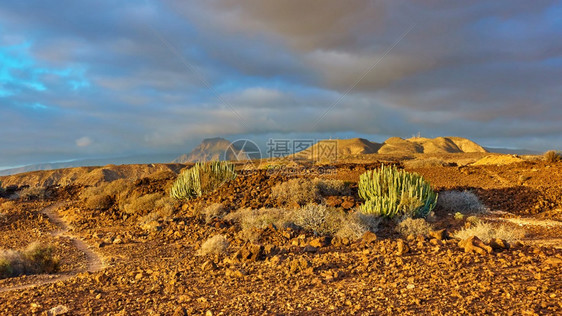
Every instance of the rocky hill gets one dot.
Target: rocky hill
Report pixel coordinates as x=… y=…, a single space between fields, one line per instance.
x=218 y=148
x=88 y=176
x=325 y=149
x=439 y=145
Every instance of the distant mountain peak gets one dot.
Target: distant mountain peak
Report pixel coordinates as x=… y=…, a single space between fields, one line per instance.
x=217 y=148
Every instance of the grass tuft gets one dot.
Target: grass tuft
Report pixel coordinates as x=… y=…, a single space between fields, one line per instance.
x=414 y=226
x=552 y=156
x=214 y=245
x=487 y=232
x=36 y=258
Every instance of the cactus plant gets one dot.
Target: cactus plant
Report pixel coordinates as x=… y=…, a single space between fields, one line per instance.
x=202 y=178
x=390 y=192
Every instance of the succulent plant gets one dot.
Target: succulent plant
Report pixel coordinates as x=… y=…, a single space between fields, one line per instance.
x=389 y=192
x=202 y=178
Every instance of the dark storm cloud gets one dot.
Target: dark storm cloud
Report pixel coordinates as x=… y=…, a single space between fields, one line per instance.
x=107 y=78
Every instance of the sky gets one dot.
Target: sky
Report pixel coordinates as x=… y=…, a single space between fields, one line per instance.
x=91 y=79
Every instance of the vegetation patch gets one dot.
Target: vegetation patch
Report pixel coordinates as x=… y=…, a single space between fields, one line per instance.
x=213 y=211
x=249 y=219
x=302 y=191
x=552 y=156
x=35 y=259
x=296 y=192
x=464 y=202
x=390 y=192
x=414 y=226
x=33 y=193
x=355 y=225
x=487 y=232
x=202 y=178
x=215 y=245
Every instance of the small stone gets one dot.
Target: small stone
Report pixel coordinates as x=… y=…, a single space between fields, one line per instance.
x=180 y=311
x=553 y=261
x=58 y=310
x=402 y=247
x=497 y=243
x=251 y=252
x=309 y=248
x=410 y=286
x=439 y=234
x=474 y=244
x=319 y=242
x=369 y=237
x=208 y=266
x=347 y=205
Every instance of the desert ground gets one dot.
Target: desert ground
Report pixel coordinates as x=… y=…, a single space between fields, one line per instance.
x=123 y=248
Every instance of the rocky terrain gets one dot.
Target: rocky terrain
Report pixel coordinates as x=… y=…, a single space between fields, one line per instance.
x=111 y=263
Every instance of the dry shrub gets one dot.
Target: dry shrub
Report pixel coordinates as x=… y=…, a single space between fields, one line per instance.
x=163 y=210
x=142 y=205
x=99 y=202
x=332 y=187
x=302 y=191
x=214 y=245
x=317 y=218
x=102 y=197
x=36 y=258
x=552 y=156
x=464 y=202
x=33 y=193
x=354 y=225
x=213 y=211
x=297 y=191
x=487 y=232
x=8 y=207
x=249 y=219
x=414 y=226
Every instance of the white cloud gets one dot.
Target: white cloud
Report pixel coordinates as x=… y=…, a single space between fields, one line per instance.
x=84 y=141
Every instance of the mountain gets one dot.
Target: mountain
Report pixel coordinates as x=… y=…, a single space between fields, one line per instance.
x=327 y=149
x=439 y=145
x=89 y=176
x=140 y=159
x=219 y=148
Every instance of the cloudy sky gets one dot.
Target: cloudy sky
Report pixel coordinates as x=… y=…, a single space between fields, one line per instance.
x=110 y=78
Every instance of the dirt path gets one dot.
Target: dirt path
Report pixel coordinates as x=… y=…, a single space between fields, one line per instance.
x=94 y=261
